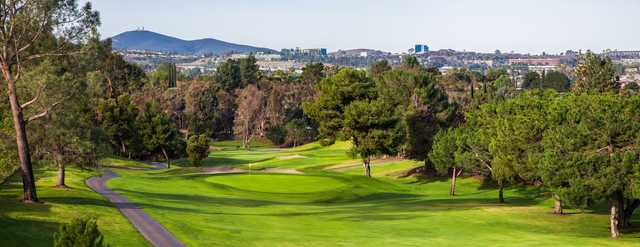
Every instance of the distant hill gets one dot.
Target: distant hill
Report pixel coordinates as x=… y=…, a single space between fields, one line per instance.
x=150 y=41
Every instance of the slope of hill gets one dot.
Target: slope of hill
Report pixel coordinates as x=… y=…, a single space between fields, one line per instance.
x=151 y=41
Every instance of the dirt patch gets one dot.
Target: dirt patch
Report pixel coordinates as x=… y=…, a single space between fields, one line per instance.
x=352 y=165
x=223 y=170
x=231 y=170
x=281 y=171
x=297 y=156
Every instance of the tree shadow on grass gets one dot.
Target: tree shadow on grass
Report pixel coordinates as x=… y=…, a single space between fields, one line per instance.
x=23 y=232
x=71 y=200
x=426 y=179
x=221 y=161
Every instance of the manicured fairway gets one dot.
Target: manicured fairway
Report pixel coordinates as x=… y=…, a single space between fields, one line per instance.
x=332 y=205
x=34 y=224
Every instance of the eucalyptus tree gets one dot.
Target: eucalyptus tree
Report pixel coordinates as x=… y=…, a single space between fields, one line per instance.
x=68 y=133
x=29 y=32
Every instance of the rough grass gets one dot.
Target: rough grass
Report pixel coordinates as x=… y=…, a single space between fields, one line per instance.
x=34 y=224
x=325 y=207
x=117 y=162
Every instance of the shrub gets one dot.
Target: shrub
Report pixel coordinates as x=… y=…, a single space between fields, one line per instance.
x=197 y=148
x=277 y=135
x=80 y=232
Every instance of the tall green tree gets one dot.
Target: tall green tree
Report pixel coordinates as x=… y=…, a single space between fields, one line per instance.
x=595 y=74
x=379 y=67
x=158 y=132
x=422 y=106
x=27 y=38
x=68 y=133
x=500 y=139
x=411 y=62
x=111 y=70
x=118 y=118
x=592 y=155
x=447 y=155
x=312 y=73
x=336 y=93
x=532 y=80
x=370 y=127
x=228 y=75
x=249 y=70
x=556 y=80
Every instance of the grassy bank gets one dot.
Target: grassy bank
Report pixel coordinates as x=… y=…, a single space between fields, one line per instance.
x=34 y=224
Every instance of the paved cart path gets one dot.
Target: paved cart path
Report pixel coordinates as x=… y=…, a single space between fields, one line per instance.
x=155 y=233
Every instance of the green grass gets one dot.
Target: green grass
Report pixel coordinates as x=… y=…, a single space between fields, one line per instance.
x=236 y=145
x=117 y=162
x=34 y=224
x=332 y=205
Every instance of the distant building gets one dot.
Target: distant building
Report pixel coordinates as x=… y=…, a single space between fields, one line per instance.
x=297 y=52
x=323 y=52
x=621 y=54
x=421 y=49
x=535 y=61
x=543 y=68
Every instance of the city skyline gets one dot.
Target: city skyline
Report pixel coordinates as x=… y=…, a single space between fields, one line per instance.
x=527 y=27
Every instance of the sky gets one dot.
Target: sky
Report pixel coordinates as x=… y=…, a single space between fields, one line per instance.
x=527 y=26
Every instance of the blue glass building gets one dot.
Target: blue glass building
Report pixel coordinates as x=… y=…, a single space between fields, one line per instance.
x=421 y=49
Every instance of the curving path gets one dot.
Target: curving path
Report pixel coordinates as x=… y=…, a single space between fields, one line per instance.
x=155 y=233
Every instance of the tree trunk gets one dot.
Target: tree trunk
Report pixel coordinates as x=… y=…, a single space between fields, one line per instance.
x=429 y=168
x=19 y=124
x=557 y=205
x=167 y=158
x=501 y=194
x=452 y=190
x=615 y=231
x=367 y=167
x=123 y=148
x=61 y=175
x=110 y=86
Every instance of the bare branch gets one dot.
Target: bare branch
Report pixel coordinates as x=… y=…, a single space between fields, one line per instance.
x=44 y=113
x=42 y=88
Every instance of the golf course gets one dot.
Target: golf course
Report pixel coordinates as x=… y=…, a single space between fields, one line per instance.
x=305 y=196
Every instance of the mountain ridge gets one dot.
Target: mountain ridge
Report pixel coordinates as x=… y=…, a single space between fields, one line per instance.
x=152 y=41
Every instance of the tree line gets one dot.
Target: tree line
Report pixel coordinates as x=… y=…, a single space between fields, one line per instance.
x=580 y=145
x=577 y=140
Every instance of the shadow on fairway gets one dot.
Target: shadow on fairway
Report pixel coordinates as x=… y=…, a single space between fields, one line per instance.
x=26 y=232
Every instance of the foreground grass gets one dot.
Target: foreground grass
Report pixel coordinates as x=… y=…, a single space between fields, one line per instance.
x=34 y=224
x=330 y=205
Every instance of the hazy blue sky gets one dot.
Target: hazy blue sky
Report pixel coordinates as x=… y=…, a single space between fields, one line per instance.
x=393 y=25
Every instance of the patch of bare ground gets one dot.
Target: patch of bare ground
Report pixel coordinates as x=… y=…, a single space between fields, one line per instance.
x=232 y=170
